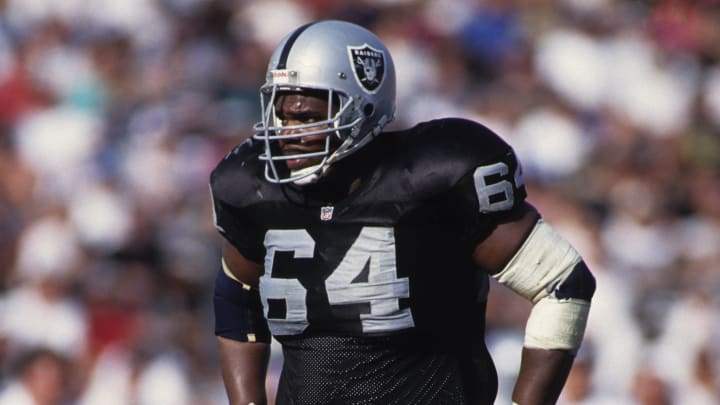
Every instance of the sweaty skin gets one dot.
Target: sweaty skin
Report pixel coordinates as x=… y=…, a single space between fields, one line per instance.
x=295 y=108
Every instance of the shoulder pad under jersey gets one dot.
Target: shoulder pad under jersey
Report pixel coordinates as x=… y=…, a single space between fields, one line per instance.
x=447 y=149
x=236 y=176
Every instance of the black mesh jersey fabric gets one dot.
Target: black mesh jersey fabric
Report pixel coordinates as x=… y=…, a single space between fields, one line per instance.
x=379 y=370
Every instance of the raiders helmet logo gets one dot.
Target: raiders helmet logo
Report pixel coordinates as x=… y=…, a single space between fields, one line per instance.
x=368 y=65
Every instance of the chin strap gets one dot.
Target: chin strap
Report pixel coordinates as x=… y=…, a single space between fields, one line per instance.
x=312 y=174
x=309 y=178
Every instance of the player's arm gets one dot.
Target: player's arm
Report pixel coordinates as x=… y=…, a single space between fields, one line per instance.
x=526 y=255
x=242 y=333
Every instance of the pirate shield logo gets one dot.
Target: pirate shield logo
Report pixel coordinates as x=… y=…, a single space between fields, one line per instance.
x=368 y=65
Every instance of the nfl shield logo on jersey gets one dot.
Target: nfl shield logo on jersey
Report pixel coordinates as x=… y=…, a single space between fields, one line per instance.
x=369 y=66
x=326 y=213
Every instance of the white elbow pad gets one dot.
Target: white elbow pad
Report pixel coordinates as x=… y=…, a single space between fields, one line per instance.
x=548 y=271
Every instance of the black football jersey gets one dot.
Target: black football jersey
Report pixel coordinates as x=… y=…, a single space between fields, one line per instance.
x=373 y=294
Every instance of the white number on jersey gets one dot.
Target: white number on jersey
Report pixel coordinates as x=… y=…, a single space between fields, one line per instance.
x=302 y=245
x=374 y=247
x=493 y=192
x=373 y=250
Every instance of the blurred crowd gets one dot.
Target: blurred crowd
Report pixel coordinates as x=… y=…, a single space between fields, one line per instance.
x=113 y=113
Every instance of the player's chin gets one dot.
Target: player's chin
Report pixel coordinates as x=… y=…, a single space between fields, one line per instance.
x=299 y=164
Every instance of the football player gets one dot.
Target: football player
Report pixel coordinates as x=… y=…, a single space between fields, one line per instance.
x=366 y=253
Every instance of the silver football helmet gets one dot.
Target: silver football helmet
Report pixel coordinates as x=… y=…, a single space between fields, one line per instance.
x=356 y=70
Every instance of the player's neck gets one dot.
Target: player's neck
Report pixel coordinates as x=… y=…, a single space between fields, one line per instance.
x=335 y=185
x=346 y=176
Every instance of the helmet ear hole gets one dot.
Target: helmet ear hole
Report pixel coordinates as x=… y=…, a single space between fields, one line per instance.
x=369 y=109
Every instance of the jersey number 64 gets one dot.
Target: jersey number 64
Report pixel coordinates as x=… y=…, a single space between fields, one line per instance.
x=374 y=247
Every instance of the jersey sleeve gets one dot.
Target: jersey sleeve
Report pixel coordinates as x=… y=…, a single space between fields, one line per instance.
x=230 y=187
x=240 y=231
x=490 y=194
x=490 y=186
